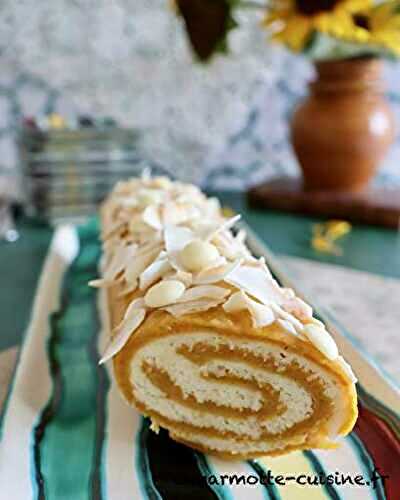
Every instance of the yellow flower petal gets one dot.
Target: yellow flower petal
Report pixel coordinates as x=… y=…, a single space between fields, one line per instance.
x=295 y=25
x=295 y=34
x=337 y=229
x=381 y=14
x=325 y=246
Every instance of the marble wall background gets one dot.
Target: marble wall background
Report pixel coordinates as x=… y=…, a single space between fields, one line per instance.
x=223 y=125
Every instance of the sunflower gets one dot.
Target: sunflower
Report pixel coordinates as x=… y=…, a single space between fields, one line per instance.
x=295 y=21
x=379 y=26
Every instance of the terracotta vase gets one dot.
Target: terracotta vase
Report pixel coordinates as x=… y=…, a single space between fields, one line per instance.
x=343 y=129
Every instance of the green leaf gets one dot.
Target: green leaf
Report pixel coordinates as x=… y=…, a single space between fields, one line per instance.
x=325 y=47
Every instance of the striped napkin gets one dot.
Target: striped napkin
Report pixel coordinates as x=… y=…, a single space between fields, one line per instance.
x=67 y=434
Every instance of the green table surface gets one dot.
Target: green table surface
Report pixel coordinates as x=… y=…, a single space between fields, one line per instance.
x=366 y=248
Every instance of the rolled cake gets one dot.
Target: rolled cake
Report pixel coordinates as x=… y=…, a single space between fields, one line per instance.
x=204 y=341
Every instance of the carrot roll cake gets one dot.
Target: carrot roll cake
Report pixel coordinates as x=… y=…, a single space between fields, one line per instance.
x=203 y=340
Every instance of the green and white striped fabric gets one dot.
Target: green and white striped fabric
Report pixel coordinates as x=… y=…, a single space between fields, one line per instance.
x=67 y=434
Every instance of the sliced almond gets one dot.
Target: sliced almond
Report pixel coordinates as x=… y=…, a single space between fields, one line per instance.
x=133 y=307
x=346 y=369
x=208 y=232
x=261 y=314
x=128 y=203
x=177 y=213
x=227 y=224
x=192 y=307
x=149 y=197
x=154 y=272
x=176 y=238
x=236 y=302
x=199 y=255
x=153 y=245
x=216 y=274
x=256 y=282
x=204 y=292
x=183 y=276
x=151 y=217
x=129 y=288
x=213 y=206
x=287 y=326
x=298 y=308
x=281 y=313
x=111 y=230
x=118 y=261
x=137 y=265
x=164 y=293
x=163 y=183
x=226 y=246
x=322 y=340
x=123 y=334
x=137 y=225
x=263 y=265
x=98 y=283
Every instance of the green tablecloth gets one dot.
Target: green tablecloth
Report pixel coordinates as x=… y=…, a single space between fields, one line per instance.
x=365 y=248
x=20 y=266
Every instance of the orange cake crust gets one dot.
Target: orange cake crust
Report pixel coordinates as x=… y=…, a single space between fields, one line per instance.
x=161 y=324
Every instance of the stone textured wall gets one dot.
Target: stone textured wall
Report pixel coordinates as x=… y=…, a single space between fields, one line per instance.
x=224 y=125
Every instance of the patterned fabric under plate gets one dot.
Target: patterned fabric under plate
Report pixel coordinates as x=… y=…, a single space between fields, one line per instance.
x=66 y=434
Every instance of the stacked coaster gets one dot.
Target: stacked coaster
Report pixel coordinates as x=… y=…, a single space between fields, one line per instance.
x=69 y=166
